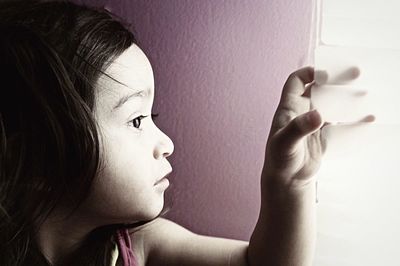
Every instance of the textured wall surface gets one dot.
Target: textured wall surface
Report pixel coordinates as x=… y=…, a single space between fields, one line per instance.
x=219 y=68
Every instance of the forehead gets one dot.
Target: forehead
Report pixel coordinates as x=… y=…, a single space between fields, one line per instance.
x=132 y=68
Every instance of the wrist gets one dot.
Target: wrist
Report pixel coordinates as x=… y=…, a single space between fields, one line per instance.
x=275 y=188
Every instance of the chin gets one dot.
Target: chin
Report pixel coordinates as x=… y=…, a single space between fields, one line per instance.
x=157 y=208
x=150 y=211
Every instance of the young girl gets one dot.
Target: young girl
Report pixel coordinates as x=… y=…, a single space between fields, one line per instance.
x=83 y=166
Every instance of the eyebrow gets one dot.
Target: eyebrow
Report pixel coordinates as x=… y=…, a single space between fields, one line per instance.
x=137 y=94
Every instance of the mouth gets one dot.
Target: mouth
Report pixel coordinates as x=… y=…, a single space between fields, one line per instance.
x=163 y=178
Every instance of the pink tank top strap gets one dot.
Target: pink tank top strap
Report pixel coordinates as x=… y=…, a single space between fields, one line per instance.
x=125 y=248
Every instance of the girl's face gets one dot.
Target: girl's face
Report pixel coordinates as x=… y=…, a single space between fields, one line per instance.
x=134 y=150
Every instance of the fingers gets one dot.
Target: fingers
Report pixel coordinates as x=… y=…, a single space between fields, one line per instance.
x=336 y=77
x=292 y=103
x=300 y=82
x=348 y=125
x=295 y=99
x=321 y=77
x=366 y=119
x=301 y=126
x=307 y=91
x=296 y=82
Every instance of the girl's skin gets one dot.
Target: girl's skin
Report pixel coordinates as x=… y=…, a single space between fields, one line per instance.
x=136 y=154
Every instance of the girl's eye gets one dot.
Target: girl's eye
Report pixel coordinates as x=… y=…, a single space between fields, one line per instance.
x=137 y=121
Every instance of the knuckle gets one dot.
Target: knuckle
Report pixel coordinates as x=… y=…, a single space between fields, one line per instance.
x=281 y=153
x=292 y=76
x=284 y=116
x=297 y=125
x=291 y=80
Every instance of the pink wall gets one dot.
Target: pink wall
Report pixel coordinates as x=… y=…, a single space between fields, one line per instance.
x=219 y=68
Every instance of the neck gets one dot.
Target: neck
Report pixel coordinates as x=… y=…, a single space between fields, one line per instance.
x=59 y=236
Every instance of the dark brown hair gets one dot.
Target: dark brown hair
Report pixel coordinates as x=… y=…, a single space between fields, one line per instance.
x=52 y=54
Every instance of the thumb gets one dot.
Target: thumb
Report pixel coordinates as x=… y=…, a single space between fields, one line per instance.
x=298 y=128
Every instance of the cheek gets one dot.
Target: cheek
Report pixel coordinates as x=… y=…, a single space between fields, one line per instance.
x=121 y=194
x=124 y=174
x=123 y=191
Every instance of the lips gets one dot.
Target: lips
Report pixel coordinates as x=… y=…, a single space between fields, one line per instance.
x=159 y=180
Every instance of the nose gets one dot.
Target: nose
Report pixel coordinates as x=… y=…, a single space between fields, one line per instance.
x=164 y=146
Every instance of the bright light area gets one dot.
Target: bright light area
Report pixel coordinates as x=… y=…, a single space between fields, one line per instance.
x=358 y=208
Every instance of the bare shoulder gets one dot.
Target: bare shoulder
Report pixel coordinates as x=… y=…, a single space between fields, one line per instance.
x=164 y=242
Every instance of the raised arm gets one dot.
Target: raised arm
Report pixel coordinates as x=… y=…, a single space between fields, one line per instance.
x=285 y=231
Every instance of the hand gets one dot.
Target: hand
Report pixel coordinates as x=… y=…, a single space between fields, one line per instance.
x=294 y=146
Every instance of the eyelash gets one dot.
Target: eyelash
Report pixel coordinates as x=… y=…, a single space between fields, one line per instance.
x=140 y=118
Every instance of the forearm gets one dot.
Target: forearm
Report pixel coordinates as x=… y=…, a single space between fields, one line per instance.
x=285 y=232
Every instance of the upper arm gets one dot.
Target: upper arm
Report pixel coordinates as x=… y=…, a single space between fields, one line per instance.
x=167 y=243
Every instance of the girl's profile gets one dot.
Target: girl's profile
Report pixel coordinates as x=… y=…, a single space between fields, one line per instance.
x=83 y=166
